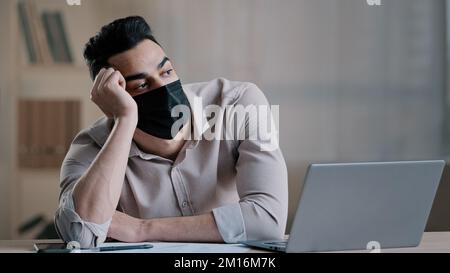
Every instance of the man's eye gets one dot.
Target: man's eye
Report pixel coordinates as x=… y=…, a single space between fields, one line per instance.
x=168 y=72
x=142 y=86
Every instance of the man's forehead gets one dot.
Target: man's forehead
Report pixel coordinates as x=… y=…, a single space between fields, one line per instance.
x=147 y=53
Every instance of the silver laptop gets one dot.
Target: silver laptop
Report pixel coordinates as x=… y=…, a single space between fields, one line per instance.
x=357 y=206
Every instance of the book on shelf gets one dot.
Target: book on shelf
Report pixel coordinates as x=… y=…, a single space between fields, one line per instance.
x=28 y=33
x=38 y=30
x=45 y=36
x=56 y=37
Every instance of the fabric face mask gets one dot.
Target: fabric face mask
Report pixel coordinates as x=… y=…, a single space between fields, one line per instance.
x=155 y=109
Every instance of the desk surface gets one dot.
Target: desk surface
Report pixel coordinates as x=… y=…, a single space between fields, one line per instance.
x=431 y=242
x=27 y=246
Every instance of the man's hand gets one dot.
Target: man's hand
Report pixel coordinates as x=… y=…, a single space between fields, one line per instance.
x=125 y=228
x=111 y=97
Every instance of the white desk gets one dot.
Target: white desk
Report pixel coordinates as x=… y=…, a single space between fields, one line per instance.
x=431 y=242
x=27 y=247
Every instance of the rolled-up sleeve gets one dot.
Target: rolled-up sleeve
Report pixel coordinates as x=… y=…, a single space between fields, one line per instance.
x=261 y=184
x=69 y=225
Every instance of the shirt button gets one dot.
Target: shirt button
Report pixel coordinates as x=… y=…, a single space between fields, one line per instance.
x=184 y=204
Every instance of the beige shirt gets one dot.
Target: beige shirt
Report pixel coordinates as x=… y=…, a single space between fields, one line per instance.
x=244 y=186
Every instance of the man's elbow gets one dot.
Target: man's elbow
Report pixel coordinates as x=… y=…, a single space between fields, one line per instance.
x=70 y=230
x=267 y=231
x=266 y=226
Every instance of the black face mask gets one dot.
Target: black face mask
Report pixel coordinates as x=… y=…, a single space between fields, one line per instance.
x=155 y=109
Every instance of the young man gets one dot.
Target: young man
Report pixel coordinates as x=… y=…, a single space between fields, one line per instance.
x=132 y=178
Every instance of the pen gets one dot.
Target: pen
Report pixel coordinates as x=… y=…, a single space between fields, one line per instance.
x=119 y=248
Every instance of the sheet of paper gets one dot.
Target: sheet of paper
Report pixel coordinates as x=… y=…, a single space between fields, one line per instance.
x=182 y=248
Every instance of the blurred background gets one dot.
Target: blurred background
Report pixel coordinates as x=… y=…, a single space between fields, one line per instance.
x=355 y=82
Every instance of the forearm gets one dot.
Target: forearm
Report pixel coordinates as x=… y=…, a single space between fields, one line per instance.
x=97 y=193
x=201 y=228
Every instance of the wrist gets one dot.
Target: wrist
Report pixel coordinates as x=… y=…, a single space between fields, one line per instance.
x=145 y=230
x=129 y=120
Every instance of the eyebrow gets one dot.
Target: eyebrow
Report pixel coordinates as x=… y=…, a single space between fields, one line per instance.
x=140 y=76
x=136 y=77
x=163 y=62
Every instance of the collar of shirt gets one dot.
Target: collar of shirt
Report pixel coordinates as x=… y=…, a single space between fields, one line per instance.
x=101 y=129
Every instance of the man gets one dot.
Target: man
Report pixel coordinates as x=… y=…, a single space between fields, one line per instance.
x=129 y=177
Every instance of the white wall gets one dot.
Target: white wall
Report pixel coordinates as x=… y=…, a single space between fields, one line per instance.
x=354 y=82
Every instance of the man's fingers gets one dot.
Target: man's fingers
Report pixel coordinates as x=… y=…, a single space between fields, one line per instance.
x=97 y=80
x=107 y=94
x=116 y=78
x=122 y=81
x=105 y=77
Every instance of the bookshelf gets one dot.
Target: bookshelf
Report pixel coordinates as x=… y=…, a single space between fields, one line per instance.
x=28 y=190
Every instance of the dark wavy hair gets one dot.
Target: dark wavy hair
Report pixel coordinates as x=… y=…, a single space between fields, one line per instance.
x=117 y=37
